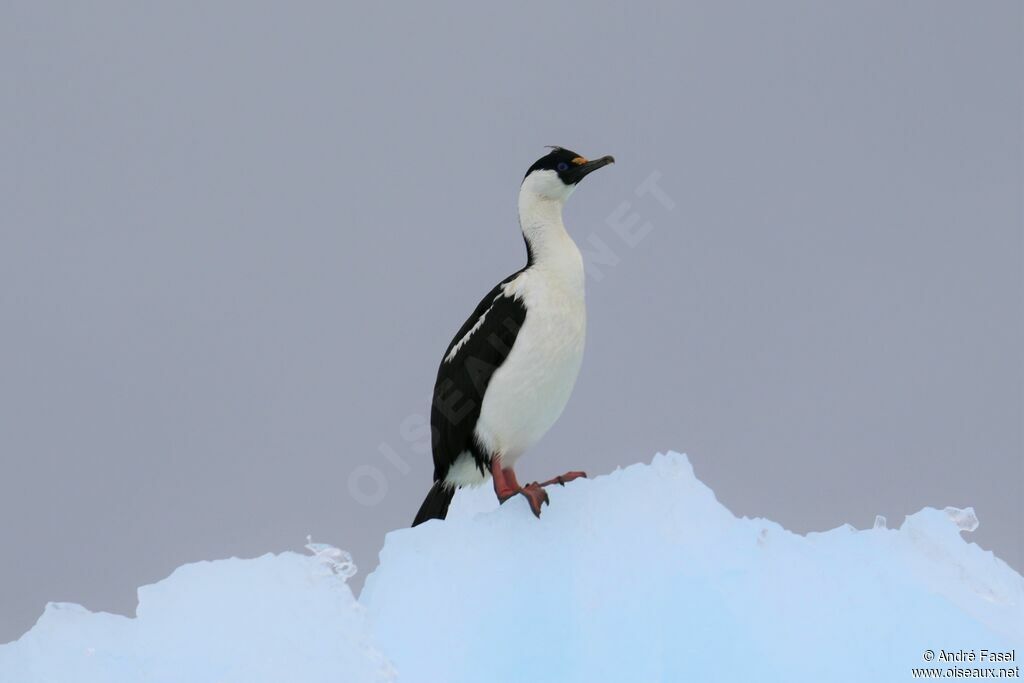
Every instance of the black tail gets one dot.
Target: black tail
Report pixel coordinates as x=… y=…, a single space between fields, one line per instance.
x=435 y=505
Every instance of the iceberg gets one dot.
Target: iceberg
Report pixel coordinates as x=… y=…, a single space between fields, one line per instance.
x=287 y=617
x=639 y=575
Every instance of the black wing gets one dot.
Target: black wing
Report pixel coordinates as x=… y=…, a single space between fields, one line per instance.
x=463 y=377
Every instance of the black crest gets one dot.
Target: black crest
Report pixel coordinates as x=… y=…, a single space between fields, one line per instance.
x=559 y=160
x=570 y=166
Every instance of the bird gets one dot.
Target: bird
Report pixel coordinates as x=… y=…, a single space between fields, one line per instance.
x=508 y=373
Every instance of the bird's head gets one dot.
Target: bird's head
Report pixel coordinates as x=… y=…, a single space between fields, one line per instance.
x=556 y=174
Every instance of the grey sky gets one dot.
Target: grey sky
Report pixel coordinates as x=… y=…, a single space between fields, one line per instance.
x=236 y=241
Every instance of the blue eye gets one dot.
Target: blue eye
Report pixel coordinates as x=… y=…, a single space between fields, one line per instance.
x=562 y=166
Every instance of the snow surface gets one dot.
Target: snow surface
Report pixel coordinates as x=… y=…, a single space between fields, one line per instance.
x=637 y=576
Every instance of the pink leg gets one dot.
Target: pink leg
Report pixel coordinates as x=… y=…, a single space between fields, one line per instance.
x=506 y=485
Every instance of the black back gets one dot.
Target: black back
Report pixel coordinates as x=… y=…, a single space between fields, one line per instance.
x=462 y=381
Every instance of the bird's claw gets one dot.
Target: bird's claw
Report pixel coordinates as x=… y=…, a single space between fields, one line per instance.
x=563 y=479
x=536 y=496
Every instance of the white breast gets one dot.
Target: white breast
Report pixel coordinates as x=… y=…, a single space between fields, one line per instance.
x=528 y=392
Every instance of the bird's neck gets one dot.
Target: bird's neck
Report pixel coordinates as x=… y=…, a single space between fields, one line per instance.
x=549 y=244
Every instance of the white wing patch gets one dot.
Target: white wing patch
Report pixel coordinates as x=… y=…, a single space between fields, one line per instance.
x=465 y=338
x=508 y=290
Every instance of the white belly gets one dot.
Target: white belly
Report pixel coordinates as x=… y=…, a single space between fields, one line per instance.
x=528 y=392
